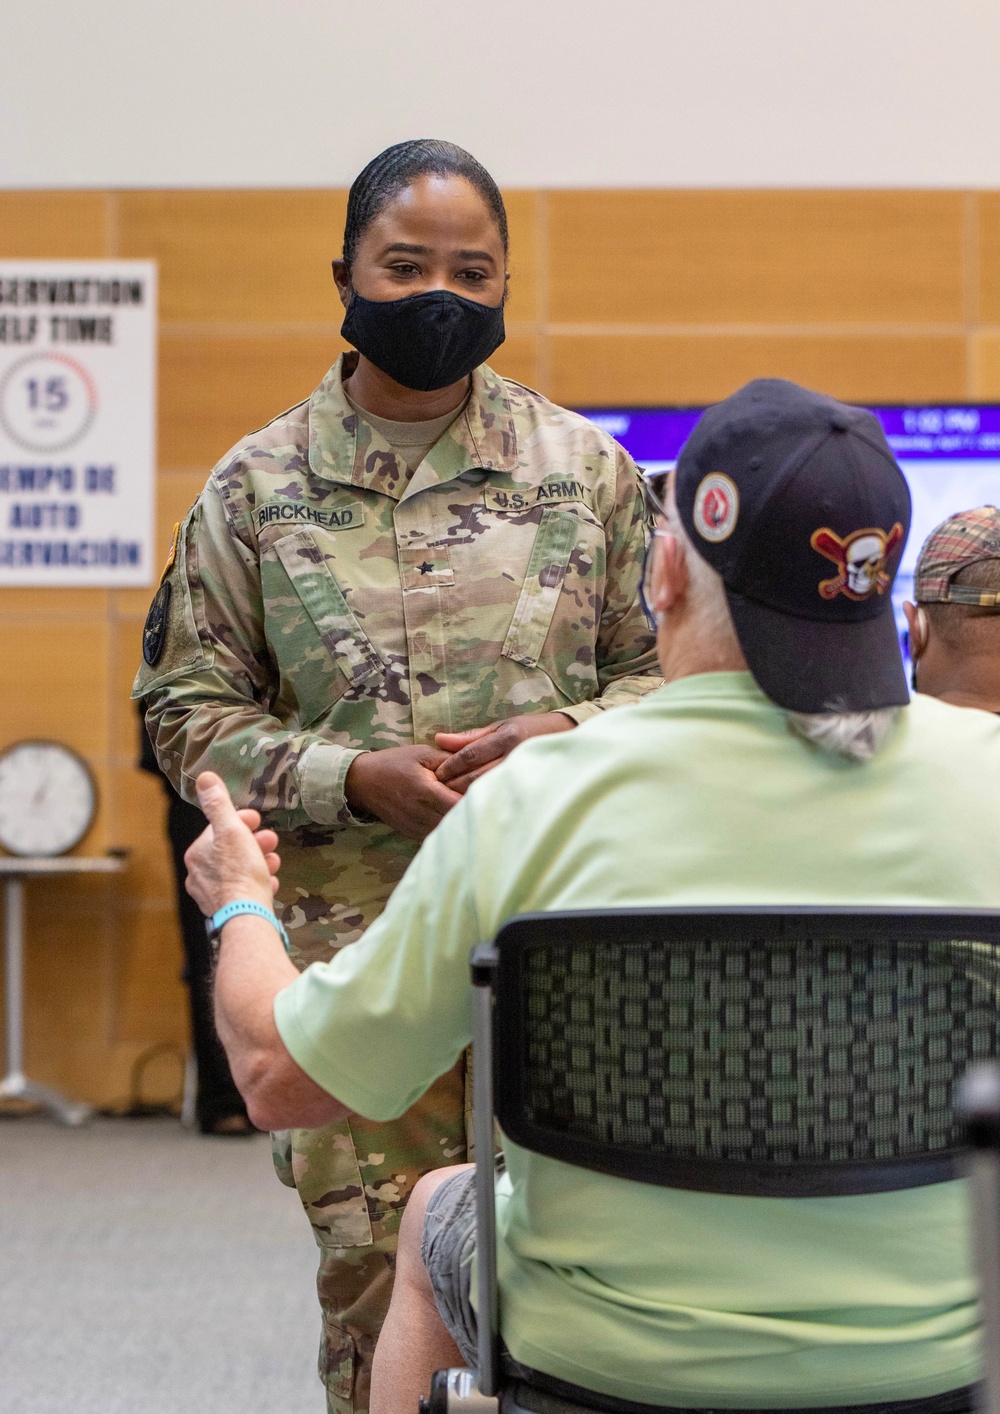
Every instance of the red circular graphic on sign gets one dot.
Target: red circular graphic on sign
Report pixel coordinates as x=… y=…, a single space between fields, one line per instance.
x=716 y=506
x=47 y=401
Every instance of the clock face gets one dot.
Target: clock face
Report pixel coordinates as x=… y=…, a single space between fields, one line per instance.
x=47 y=798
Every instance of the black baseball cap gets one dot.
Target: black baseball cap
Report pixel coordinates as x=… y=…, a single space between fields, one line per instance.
x=797 y=502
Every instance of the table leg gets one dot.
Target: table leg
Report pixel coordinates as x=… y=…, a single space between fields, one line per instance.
x=13 y=937
x=15 y=1085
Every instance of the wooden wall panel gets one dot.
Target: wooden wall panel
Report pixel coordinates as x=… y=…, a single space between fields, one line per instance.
x=523 y=302
x=71 y=991
x=54 y=603
x=988 y=251
x=986 y=366
x=53 y=225
x=140 y=813
x=238 y=256
x=632 y=297
x=520 y=358
x=215 y=390
x=150 y=990
x=644 y=369
x=55 y=681
x=65 y=967
x=800 y=257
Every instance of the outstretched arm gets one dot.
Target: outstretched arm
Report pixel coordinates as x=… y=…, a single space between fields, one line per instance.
x=226 y=863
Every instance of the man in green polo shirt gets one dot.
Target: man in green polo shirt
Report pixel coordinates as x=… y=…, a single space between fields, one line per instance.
x=779 y=764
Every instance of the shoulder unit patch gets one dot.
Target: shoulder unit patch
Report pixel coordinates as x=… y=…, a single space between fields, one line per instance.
x=154 y=633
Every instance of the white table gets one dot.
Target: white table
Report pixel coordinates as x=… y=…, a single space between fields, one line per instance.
x=15 y=871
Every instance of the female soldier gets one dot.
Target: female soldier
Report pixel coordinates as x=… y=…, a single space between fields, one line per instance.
x=377 y=597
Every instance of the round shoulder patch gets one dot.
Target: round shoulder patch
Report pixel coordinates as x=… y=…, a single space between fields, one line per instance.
x=154 y=633
x=716 y=506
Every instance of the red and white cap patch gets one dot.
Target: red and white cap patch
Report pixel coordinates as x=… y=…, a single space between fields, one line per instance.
x=716 y=506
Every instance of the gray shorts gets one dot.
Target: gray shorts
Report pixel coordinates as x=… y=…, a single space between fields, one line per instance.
x=449 y=1240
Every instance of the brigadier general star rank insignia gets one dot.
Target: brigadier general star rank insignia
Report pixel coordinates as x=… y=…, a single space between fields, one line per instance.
x=154 y=633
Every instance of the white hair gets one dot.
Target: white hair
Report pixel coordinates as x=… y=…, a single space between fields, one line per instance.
x=857 y=736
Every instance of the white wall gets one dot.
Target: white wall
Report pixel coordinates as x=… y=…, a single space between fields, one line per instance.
x=133 y=93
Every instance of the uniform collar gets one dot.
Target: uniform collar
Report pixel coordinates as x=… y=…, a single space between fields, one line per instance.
x=345 y=449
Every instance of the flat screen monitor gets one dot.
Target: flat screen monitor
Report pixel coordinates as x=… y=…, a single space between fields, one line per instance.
x=950 y=456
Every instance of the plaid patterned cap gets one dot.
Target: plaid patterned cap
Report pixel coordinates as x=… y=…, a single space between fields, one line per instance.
x=961 y=540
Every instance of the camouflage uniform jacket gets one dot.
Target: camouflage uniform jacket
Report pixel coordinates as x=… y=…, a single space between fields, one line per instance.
x=325 y=602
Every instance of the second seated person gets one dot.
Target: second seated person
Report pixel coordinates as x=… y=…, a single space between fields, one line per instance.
x=377 y=597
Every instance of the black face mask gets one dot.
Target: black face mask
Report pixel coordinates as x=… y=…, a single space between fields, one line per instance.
x=425 y=341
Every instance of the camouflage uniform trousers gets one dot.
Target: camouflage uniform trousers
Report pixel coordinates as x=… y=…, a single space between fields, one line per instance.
x=354 y=1179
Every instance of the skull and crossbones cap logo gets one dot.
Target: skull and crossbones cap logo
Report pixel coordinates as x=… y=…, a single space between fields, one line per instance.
x=807 y=535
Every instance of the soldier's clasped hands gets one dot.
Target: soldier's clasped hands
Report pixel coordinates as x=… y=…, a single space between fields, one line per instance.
x=471 y=754
x=412 y=788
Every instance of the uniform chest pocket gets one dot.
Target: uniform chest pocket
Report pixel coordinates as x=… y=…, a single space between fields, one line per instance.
x=345 y=641
x=543 y=581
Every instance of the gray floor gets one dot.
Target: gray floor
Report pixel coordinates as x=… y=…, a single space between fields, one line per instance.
x=145 y=1269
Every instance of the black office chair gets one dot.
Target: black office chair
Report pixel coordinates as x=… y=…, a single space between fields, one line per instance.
x=978 y=1109
x=769 y=1052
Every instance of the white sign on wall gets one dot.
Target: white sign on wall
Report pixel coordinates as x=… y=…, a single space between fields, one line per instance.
x=77 y=422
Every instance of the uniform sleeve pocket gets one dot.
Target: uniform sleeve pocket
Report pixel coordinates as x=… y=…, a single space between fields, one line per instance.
x=543 y=582
x=324 y=601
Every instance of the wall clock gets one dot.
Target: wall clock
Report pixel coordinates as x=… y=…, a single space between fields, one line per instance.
x=48 y=798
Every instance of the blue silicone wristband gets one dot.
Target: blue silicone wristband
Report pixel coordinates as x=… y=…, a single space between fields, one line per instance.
x=244 y=905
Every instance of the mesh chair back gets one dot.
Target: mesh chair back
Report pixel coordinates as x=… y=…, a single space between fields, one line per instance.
x=779 y=1053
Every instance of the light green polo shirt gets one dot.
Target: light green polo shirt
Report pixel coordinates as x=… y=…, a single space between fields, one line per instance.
x=697 y=795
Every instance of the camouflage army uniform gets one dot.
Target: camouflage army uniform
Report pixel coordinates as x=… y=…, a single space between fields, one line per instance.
x=324 y=602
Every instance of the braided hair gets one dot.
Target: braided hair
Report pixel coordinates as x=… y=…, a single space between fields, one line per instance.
x=393 y=170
